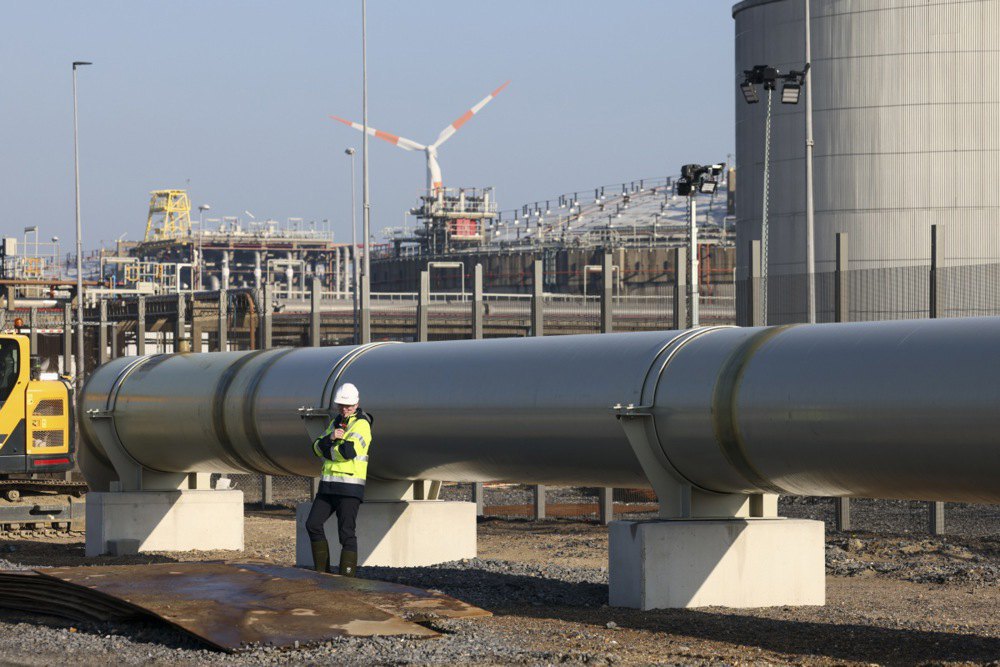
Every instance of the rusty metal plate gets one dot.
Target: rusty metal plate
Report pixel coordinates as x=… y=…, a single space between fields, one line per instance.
x=27 y=591
x=413 y=604
x=229 y=605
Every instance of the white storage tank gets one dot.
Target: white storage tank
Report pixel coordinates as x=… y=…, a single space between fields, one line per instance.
x=906 y=128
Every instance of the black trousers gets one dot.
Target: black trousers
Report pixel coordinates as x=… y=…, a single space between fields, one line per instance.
x=346 y=508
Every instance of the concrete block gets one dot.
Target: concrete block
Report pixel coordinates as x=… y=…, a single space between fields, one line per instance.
x=407 y=533
x=123 y=547
x=728 y=563
x=164 y=521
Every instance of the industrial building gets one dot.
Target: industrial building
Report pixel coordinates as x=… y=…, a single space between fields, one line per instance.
x=639 y=222
x=906 y=117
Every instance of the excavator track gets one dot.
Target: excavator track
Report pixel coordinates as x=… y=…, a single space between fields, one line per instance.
x=40 y=506
x=13 y=489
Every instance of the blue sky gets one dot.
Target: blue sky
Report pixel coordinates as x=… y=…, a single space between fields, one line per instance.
x=230 y=99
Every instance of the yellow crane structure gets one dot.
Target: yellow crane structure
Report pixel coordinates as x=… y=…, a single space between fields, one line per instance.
x=169 y=215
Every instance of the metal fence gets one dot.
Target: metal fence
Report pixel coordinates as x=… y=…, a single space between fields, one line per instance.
x=253 y=320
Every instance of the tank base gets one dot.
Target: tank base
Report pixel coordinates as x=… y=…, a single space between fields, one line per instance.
x=399 y=533
x=138 y=521
x=726 y=562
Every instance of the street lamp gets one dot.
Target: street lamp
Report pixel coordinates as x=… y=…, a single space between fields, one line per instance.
x=791 y=87
x=354 y=244
x=79 y=237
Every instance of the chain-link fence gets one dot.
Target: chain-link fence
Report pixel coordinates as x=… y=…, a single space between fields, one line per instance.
x=914 y=291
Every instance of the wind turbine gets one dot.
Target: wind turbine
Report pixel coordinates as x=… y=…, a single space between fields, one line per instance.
x=433 y=169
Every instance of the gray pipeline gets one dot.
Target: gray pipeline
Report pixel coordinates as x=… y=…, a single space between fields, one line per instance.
x=902 y=409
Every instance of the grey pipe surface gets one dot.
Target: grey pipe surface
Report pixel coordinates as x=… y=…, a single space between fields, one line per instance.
x=903 y=409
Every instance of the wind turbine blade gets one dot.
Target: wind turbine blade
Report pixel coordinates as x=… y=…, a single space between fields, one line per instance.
x=402 y=142
x=464 y=118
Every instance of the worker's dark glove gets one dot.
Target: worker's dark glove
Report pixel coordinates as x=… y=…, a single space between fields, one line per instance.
x=325 y=448
x=346 y=449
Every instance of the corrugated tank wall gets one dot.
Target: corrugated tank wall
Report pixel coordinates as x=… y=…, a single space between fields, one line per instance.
x=907 y=133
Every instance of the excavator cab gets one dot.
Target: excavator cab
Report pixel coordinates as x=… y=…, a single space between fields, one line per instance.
x=36 y=433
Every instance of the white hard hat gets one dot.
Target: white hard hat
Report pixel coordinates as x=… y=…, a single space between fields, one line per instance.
x=347 y=394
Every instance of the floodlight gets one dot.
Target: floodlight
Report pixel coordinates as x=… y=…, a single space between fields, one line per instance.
x=707 y=187
x=749 y=92
x=790 y=92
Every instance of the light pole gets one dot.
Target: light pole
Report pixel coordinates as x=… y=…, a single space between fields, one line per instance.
x=201 y=255
x=79 y=237
x=696 y=179
x=366 y=284
x=791 y=89
x=810 y=204
x=354 y=244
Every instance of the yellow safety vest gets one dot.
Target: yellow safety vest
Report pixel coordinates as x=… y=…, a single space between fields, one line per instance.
x=341 y=475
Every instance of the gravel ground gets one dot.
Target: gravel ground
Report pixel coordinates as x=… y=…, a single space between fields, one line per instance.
x=892 y=599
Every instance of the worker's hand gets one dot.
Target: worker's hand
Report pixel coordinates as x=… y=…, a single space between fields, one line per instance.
x=339 y=434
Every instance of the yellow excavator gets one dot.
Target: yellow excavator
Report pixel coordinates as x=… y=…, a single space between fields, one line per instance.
x=36 y=438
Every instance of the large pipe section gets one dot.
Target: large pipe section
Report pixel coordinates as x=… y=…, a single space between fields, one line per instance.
x=905 y=409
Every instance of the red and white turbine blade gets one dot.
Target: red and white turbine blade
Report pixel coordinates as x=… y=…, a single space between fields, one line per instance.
x=464 y=118
x=402 y=142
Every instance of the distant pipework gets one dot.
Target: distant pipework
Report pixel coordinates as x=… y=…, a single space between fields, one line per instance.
x=904 y=409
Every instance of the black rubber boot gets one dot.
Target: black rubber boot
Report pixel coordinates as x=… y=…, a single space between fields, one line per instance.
x=348 y=563
x=321 y=556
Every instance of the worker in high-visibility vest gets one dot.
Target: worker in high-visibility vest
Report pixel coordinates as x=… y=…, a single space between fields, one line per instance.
x=344 y=449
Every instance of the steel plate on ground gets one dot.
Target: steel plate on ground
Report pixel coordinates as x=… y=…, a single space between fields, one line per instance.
x=27 y=591
x=229 y=605
x=412 y=604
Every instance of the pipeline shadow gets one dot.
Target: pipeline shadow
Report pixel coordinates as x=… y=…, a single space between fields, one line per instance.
x=585 y=602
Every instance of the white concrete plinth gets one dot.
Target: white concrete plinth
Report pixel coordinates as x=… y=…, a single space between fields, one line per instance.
x=403 y=533
x=165 y=520
x=728 y=563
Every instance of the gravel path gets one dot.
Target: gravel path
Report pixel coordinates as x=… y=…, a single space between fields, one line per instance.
x=892 y=599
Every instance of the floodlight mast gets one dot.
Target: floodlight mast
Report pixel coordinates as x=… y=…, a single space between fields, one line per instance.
x=695 y=179
x=791 y=88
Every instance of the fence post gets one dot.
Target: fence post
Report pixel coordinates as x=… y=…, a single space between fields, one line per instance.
x=67 y=339
x=755 y=287
x=266 y=491
x=537 y=298
x=538 y=329
x=140 y=326
x=935 y=509
x=365 y=305
x=841 y=313
x=680 y=289
x=265 y=316
x=115 y=339
x=223 y=337
x=607 y=293
x=477 y=302
x=606 y=504
x=477 y=497
x=843 y=513
x=538 y=492
x=937 y=262
x=423 y=305
x=314 y=312
x=841 y=306
x=195 y=331
x=102 y=332
x=33 y=329
x=180 y=329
